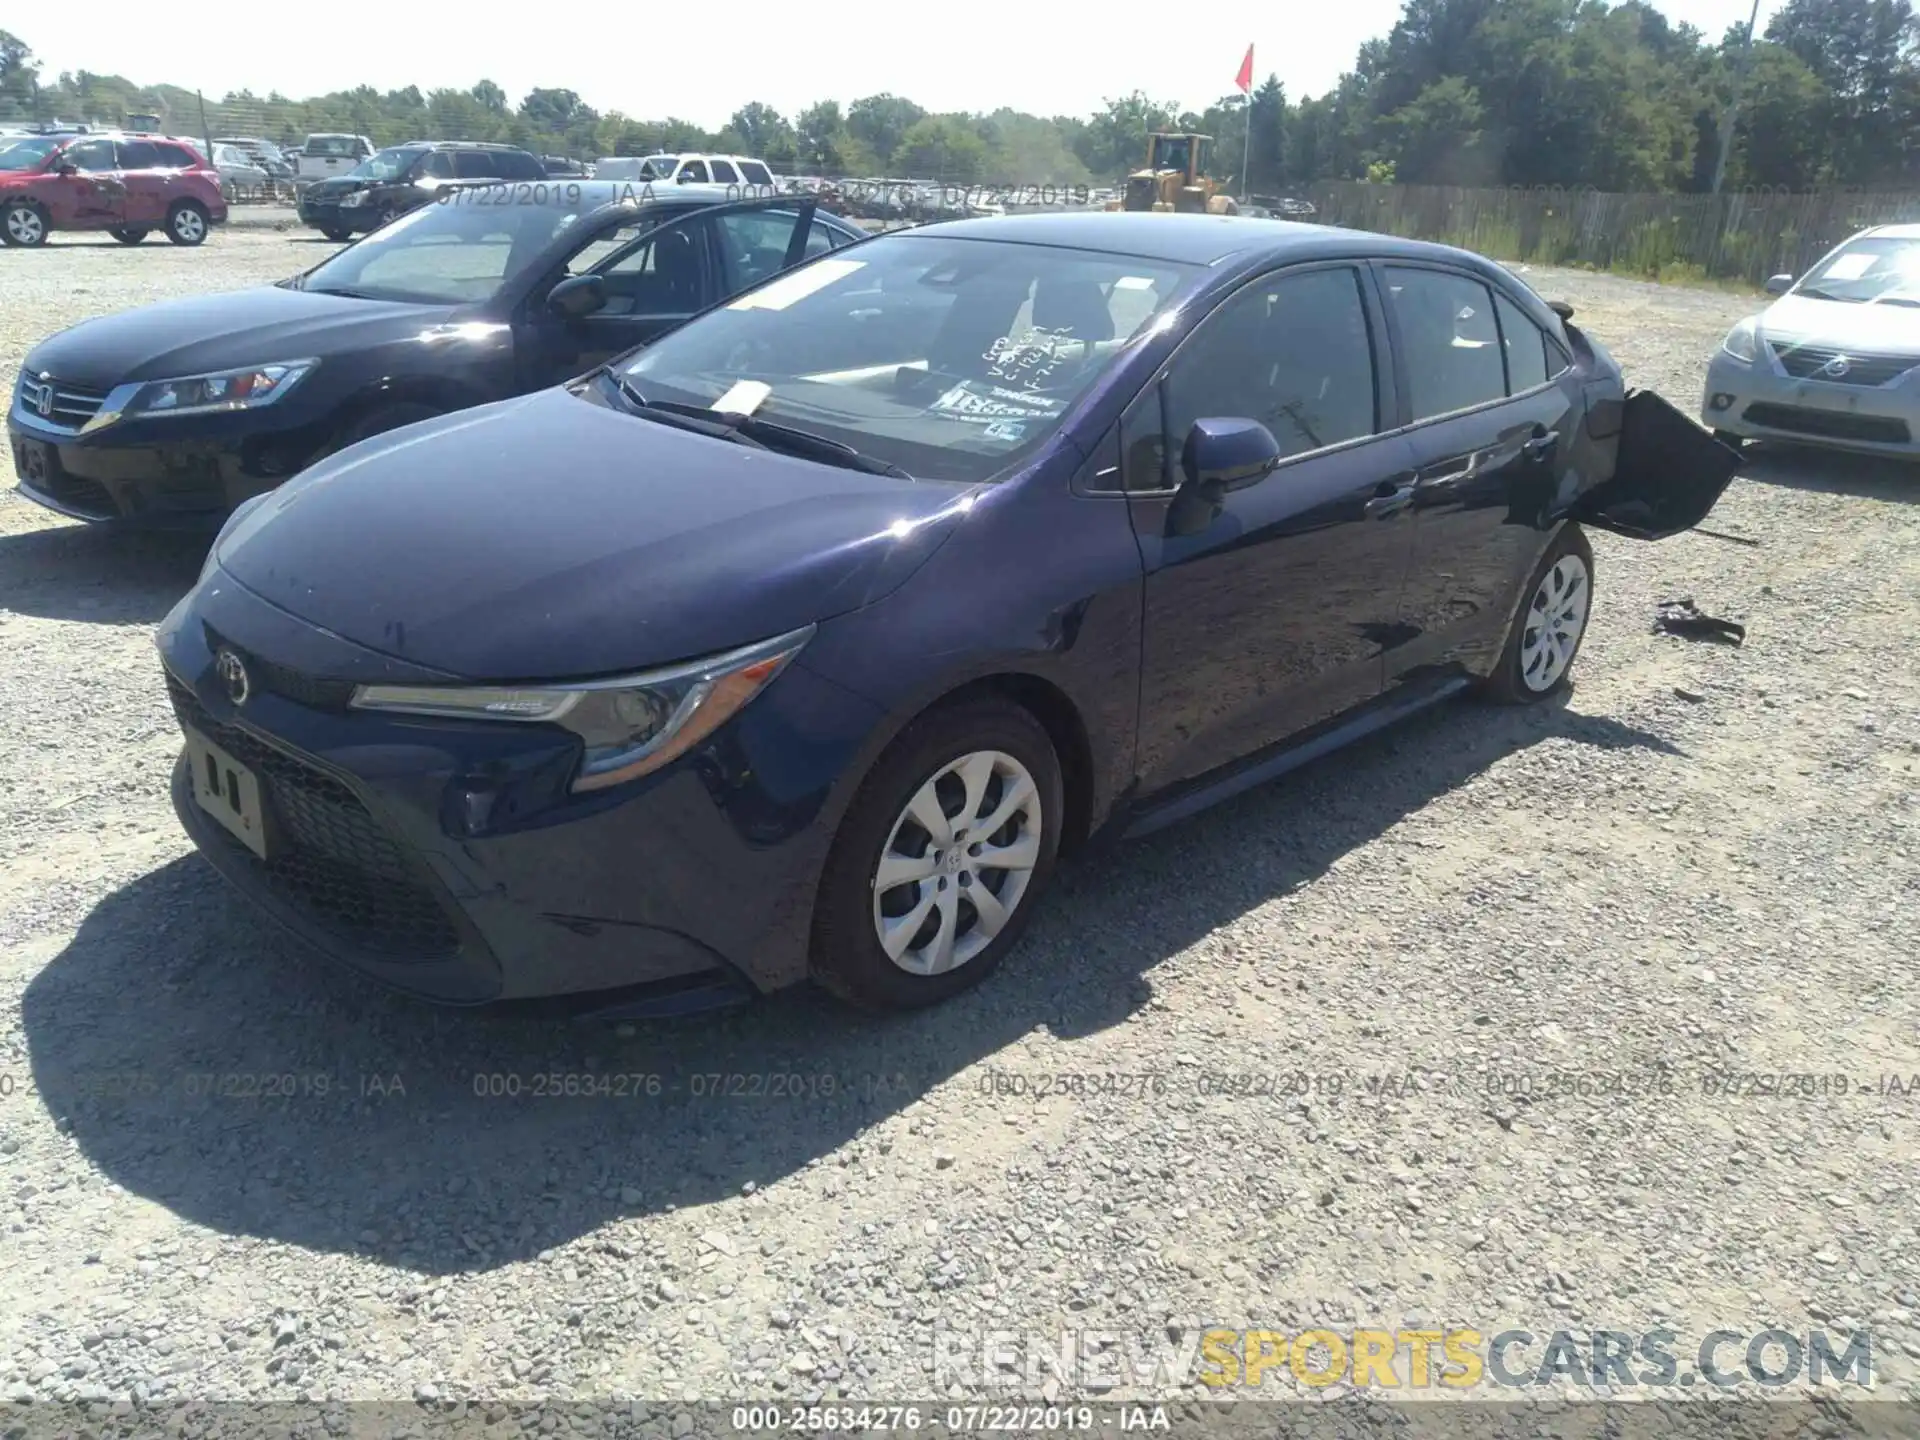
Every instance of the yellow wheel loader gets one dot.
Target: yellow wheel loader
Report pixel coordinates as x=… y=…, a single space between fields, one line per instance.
x=1175 y=180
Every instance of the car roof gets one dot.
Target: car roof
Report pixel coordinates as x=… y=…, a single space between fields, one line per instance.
x=1185 y=238
x=594 y=193
x=1893 y=232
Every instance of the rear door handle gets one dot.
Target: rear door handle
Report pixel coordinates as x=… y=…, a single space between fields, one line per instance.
x=1390 y=497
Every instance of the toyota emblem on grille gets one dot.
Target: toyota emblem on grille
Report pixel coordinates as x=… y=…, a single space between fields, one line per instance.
x=1836 y=367
x=233 y=675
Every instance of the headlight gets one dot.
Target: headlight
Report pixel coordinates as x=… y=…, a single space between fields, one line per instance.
x=353 y=200
x=1743 y=342
x=246 y=389
x=630 y=726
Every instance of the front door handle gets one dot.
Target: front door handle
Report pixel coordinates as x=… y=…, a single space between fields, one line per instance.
x=1390 y=498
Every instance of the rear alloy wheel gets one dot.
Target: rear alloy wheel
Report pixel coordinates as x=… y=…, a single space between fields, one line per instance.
x=941 y=859
x=127 y=235
x=186 y=223
x=24 y=223
x=1547 y=632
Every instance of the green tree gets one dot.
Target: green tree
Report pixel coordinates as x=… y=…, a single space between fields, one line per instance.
x=941 y=148
x=880 y=122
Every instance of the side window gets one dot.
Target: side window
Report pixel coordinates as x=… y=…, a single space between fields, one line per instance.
x=755 y=244
x=438 y=165
x=93 y=157
x=1557 y=359
x=1448 y=339
x=139 y=155
x=516 y=165
x=1143 y=443
x=694 y=171
x=725 y=174
x=754 y=173
x=1293 y=352
x=172 y=157
x=822 y=238
x=662 y=275
x=1526 y=347
x=474 y=165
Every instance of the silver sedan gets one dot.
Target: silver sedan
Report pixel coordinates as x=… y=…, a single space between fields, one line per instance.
x=1835 y=361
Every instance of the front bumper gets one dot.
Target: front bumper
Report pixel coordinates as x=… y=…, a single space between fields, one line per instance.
x=1760 y=401
x=448 y=860
x=181 y=472
x=326 y=213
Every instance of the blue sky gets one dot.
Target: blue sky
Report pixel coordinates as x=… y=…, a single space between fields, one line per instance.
x=702 y=65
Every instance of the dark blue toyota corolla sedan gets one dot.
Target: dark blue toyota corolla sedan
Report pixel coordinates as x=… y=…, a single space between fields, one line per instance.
x=802 y=642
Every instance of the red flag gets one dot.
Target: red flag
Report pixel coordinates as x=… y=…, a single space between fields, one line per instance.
x=1244 y=80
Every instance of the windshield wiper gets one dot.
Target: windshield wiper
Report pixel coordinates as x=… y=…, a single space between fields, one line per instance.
x=681 y=417
x=763 y=434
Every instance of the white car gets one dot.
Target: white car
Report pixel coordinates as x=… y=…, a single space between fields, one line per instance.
x=326 y=155
x=1835 y=361
x=685 y=170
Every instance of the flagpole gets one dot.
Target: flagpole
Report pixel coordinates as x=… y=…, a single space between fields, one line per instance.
x=1246 y=155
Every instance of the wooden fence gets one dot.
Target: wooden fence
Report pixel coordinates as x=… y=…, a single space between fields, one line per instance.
x=1741 y=236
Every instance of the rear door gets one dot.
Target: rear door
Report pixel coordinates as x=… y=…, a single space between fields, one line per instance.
x=150 y=182
x=1270 y=615
x=1493 y=417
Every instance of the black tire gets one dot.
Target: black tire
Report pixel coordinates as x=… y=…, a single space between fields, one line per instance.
x=385 y=217
x=336 y=234
x=187 y=222
x=127 y=234
x=24 y=224
x=1510 y=683
x=847 y=958
x=384 y=418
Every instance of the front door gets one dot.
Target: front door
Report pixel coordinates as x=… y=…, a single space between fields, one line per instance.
x=1493 y=427
x=1269 y=616
x=95 y=195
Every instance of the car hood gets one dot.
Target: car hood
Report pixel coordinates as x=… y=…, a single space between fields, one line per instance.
x=550 y=537
x=1842 y=325
x=201 y=333
x=337 y=186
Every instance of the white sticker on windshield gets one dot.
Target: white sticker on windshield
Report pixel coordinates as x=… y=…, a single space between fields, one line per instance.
x=801 y=283
x=1133 y=282
x=1851 y=267
x=744 y=398
x=966 y=402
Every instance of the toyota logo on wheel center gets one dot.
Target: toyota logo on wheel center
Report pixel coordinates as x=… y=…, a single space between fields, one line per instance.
x=233 y=676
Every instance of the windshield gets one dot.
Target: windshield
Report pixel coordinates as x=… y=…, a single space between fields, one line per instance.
x=332 y=147
x=1876 y=267
x=948 y=358
x=454 y=254
x=27 y=154
x=387 y=165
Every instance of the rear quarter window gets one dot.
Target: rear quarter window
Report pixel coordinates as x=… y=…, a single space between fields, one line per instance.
x=176 y=157
x=755 y=173
x=516 y=165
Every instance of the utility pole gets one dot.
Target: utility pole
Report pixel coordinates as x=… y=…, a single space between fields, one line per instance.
x=1733 y=101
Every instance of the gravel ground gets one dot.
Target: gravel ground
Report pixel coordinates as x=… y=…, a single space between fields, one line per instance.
x=1702 y=862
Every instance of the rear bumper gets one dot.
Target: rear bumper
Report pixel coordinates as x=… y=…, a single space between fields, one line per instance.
x=1758 y=401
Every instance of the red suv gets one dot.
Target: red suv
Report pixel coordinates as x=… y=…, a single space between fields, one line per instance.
x=125 y=185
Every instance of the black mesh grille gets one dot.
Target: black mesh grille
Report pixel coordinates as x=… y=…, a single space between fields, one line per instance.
x=76 y=492
x=303 y=689
x=1811 y=362
x=334 y=861
x=1833 y=424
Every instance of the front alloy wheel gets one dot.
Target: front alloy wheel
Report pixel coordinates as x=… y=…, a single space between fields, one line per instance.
x=24 y=225
x=941 y=857
x=957 y=863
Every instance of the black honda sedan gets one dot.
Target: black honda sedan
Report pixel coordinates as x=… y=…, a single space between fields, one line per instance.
x=804 y=641
x=172 y=414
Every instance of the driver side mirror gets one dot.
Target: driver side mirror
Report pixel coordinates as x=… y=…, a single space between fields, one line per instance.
x=1224 y=454
x=1779 y=284
x=577 y=296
